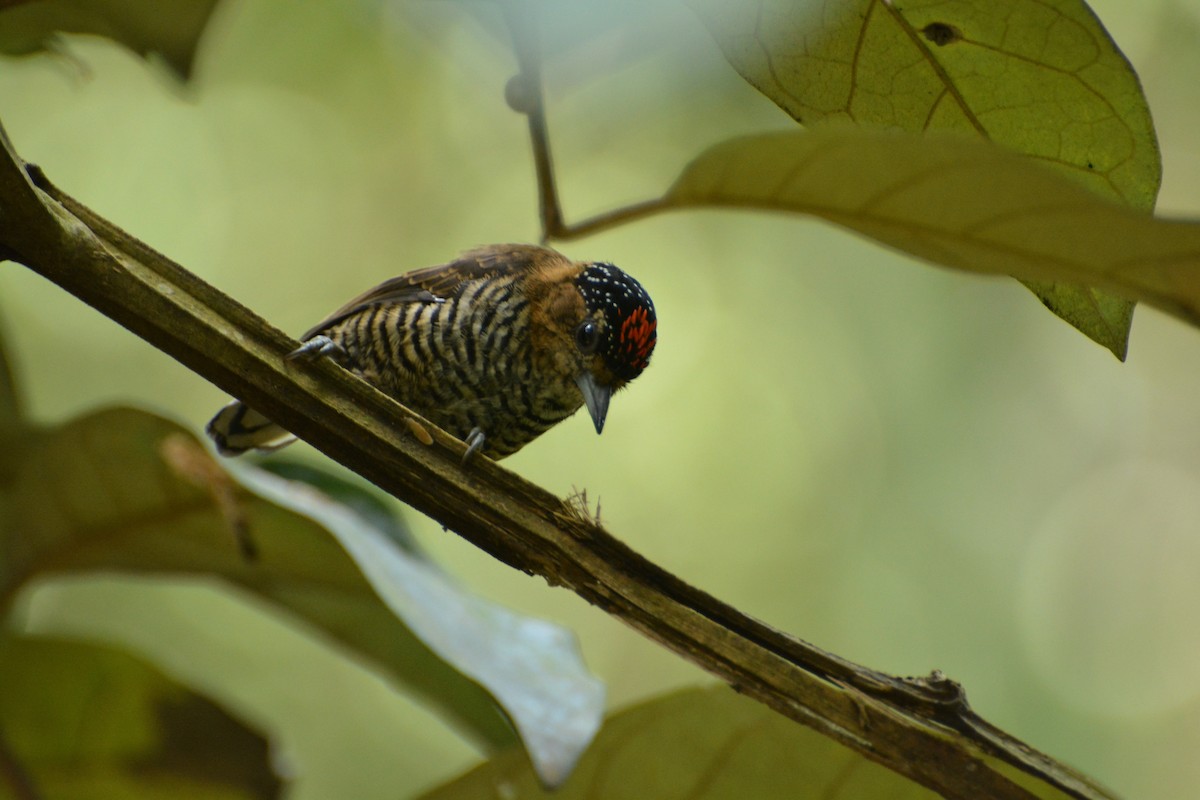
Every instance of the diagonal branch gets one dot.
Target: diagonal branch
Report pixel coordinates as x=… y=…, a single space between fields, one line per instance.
x=922 y=729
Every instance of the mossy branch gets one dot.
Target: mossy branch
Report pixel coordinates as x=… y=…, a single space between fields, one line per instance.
x=922 y=728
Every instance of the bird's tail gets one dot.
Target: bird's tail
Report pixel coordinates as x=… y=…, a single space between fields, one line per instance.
x=237 y=428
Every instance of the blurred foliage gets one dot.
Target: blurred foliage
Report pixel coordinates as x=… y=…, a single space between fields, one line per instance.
x=11 y=412
x=906 y=466
x=171 y=30
x=701 y=743
x=86 y=721
x=124 y=491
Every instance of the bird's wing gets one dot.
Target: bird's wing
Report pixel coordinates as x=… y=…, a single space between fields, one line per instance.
x=434 y=284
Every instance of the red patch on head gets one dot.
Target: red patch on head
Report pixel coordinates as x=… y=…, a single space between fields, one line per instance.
x=638 y=335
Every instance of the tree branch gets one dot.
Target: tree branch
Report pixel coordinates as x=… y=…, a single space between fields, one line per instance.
x=922 y=729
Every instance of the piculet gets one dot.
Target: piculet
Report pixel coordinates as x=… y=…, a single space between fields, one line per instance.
x=495 y=347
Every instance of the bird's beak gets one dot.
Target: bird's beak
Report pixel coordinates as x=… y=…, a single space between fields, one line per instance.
x=595 y=396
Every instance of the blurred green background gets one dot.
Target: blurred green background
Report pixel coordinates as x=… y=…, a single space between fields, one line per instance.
x=912 y=468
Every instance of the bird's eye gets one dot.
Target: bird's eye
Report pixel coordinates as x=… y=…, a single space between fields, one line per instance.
x=587 y=337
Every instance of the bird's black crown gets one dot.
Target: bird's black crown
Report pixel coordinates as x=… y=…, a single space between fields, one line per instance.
x=631 y=326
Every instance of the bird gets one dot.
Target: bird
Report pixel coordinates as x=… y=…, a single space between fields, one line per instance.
x=494 y=347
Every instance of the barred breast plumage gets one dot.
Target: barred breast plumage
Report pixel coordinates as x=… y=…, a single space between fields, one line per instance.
x=495 y=347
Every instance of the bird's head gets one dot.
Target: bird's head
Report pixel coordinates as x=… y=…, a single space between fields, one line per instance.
x=616 y=336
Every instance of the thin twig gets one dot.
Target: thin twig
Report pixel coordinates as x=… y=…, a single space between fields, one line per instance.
x=526 y=95
x=611 y=219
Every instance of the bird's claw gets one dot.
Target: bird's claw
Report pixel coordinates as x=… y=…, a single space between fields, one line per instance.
x=317 y=347
x=474 y=440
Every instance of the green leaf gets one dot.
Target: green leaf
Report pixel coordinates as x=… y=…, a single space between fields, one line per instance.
x=1044 y=79
x=1103 y=317
x=123 y=490
x=701 y=743
x=86 y=721
x=921 y=195
x=372 y=508
x=169 y=29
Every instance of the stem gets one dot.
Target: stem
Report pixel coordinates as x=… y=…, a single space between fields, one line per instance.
x=527 y=84
x=611 y=219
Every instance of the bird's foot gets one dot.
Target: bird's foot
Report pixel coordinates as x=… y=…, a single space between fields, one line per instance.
x=317 y=347
x=474 y=440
